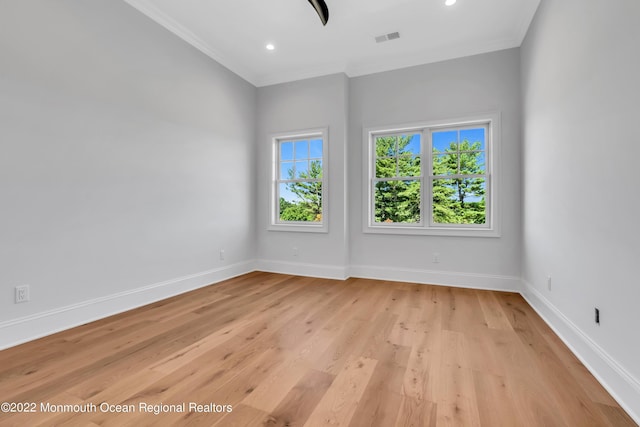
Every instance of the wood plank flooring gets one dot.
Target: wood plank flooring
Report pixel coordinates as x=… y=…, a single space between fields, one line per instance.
x=294 y=351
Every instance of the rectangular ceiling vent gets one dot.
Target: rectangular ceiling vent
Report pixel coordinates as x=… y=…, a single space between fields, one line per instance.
x=387 y=37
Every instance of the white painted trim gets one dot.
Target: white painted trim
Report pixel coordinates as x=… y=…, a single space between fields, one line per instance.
x=152 y=12
x=492 y=121
x=303 y=269
x=28 y=328
x=435 y=277
x=311 y=227
x=372 y=65
x=622 y=386
x=17 y=331
x=286 y=75
x=445 y=53
x=355 y=69
x=427 y=277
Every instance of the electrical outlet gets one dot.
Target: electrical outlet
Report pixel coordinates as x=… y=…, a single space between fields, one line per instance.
x=549 y=282
x=295 y=251
x=597 y=318
x=436 y=257
x=222 y=255
x=22 y=293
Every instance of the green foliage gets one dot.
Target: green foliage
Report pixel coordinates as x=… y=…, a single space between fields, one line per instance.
x=450 y=196
x=309 y=205
x=456 y=200
x=396 y=200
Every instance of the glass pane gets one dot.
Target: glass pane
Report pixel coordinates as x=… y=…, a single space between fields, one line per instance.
x=302 y=150
x=284 y=193
x=409 y=144
x=459 y=201
x=445 y=164
x=286 y=170
x=472 y=162
x=300 y=201
x=386 y=146
x=482 y=162
x=408 y=166
x=397 y=201
x=386 y=168
x=472 y=139
x=316 y=149
x=302 y=168
x=315 y=169
x=286 y=151
x=445 y=141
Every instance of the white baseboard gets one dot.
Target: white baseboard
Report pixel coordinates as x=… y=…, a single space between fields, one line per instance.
x=28 y=328
x=431 y=277
x=303 y=269
x=434 y=277
x=624 y=388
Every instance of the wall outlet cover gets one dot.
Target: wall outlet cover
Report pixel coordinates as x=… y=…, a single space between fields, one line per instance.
x=22 y=294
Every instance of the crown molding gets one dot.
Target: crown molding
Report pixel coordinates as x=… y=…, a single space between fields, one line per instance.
x=355 y=69
x=422 y=58
x=300 y=74
x=152 y=12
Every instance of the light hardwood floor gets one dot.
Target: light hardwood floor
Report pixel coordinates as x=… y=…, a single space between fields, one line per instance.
x=293 y=351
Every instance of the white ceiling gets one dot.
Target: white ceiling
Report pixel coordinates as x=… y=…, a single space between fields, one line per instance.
x=235 y=33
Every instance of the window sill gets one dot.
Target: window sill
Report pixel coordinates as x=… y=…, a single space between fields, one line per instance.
x=300 y=228
x=439 y=231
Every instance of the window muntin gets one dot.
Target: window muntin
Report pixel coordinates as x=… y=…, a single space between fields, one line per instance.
x=443 y=177
x=299 y=185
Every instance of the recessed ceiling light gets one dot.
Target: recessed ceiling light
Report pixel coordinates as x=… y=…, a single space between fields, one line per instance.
x=270 y=46
x=450 y=2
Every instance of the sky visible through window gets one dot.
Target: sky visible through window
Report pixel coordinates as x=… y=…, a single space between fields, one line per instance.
x=442 y=141
x=295 y=157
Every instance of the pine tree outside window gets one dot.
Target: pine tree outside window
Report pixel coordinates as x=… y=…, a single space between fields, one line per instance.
x=433 y=178
x=298 y=201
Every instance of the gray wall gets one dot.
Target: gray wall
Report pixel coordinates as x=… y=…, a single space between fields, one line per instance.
x=126 y=155
x=307 y=104
x=129 y=159
x=581 y=91
x=449 y=89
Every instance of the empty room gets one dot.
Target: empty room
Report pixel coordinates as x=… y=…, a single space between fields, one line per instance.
x=319 y=213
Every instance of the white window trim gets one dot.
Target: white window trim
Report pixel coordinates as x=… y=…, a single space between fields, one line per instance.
x=426 y=227
x=274 y=208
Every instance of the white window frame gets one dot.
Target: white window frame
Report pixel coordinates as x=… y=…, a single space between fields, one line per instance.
x=299 y=226
x=426 y=226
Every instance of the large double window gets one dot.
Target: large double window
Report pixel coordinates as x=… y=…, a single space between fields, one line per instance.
x=433 y=178
x=299 y=184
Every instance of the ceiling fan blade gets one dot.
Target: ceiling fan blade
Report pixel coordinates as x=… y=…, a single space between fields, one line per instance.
x=323 y=11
